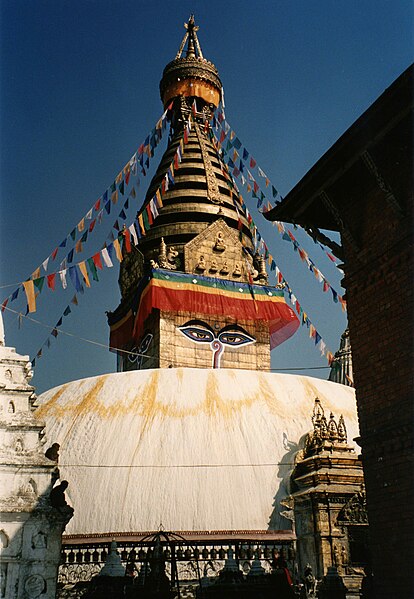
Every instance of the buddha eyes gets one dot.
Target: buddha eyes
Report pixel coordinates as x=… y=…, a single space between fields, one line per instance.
x=235 y=338
x=232 y=338
x=197 y=334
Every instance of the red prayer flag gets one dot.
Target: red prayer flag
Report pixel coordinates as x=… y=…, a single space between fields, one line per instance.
x=97 y=204
x=97 y=260
x=53 y=254
x=51 y=280
x=148 y=211
x=127 y=236
x=252 y=162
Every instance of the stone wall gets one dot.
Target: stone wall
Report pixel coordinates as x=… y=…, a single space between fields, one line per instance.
x=31 y=527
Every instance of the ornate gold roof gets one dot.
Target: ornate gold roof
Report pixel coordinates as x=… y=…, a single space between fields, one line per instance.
x=192 y=74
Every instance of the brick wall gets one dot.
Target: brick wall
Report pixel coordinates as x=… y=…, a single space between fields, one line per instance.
x=379 y=283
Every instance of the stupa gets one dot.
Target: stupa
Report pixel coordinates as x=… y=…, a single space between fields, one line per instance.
x=193 y=431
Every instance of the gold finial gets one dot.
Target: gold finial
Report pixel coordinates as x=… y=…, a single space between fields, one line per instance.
x=193 y=48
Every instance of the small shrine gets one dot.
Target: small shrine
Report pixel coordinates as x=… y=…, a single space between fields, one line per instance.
x=33 y=509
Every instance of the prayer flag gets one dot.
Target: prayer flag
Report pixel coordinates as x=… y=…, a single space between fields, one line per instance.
x=133 y=232
x=252 y=162
x=118 y=250
x=81 y=225
x=15 y=294
x=51 y=281
x=73 y=273
x=35 y=274
x=83 y=269
x=38 y=283
x=92 y=268
x=62 y=275
x=127 y=237
x=106 y=258
x=67 y=311
x=30 y=295
x=159 y=198
x=97 y=260
x=141 y=224
x=97 y=205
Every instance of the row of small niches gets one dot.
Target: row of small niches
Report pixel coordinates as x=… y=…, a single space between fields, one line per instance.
x=99 y=555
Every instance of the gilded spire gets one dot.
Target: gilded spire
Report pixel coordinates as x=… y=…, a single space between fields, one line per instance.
x=193 y=48
x=190 y=74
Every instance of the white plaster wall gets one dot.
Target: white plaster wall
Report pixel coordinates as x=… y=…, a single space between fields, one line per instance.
x=192 y=449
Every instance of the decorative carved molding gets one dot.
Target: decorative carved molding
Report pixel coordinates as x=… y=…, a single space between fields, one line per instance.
x=382 y=184
x=354 y=511
x=213 y=192
x=344 y=229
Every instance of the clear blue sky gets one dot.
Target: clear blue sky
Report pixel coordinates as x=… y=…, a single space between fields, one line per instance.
x=79 y=93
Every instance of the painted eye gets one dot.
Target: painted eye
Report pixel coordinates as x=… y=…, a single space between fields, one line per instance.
x=132 y=357
x=145 y=343
x=235 y=338
x=197 y=334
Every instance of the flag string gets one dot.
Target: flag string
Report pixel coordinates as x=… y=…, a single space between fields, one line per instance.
x=284 y=231
x=219 y=123
x=280 y=279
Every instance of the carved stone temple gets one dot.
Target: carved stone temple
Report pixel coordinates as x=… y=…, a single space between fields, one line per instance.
x=193 y=440
x=30 y=525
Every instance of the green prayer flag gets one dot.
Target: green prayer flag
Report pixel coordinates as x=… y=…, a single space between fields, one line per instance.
x=92 y=268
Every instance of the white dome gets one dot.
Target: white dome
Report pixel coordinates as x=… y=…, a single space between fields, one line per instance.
x=192 y=449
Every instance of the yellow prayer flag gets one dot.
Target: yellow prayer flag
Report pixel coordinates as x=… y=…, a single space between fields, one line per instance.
x=118 y=250
x=114 y=197
x=141 y=224
x=30 y=294
x=159 y=198
x=78 y=246
x=119 y=178
x=81 y=225
x=36 y=274
x=82 y=268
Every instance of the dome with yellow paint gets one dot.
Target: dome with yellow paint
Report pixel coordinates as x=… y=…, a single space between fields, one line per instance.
x=191 y=449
